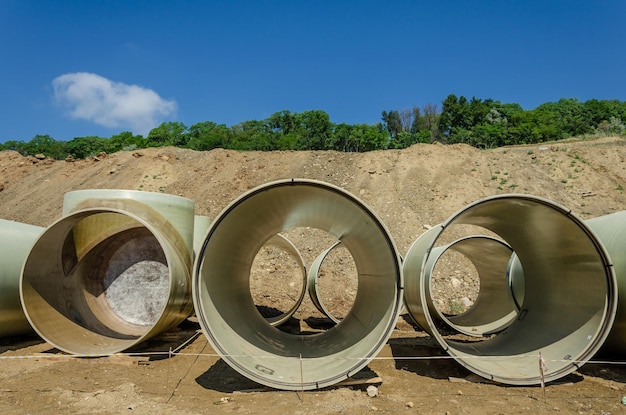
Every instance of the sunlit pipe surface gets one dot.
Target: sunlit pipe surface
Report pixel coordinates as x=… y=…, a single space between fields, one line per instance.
x=570 y=292
x=226 y=310
x=16 y=239
x=174 y=209
x=312 y=281
x=611 y=229
x=111 y=273
x=494 y=308
x=200 y=226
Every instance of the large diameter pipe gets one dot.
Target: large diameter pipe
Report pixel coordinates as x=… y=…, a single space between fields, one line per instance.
x=111 y=273
x=570 y=290
x=246 y=341
x=611 y=229
x=16 y=239
x=494 y=308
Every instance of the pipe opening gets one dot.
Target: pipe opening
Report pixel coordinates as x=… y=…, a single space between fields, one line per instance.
x=478 y=292
x=454 y=284
x=277 y=280
x=227 y=312
x=569 y=290
x=100 y=281
x=128 y=282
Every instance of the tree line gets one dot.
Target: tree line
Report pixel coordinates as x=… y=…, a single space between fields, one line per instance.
x=480 y=123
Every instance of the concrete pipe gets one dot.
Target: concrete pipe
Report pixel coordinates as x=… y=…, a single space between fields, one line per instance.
x=570 y=291
x=494 y=308
x=312 y=282
x=231 y=322
x=17 y=239
x=111 y=273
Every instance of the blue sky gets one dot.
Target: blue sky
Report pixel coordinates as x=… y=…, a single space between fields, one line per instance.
x=79 y=68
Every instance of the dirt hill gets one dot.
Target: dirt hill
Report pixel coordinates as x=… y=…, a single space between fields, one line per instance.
x=410 y=190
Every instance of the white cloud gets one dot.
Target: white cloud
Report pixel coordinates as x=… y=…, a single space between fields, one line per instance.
x=92 y=97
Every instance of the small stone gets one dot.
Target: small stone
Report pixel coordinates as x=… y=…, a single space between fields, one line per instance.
x=372 y=391
x=373 y=408
x=410 y=404
x=455 y=282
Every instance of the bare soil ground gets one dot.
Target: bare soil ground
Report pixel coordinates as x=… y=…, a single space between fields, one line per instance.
x=410 y=190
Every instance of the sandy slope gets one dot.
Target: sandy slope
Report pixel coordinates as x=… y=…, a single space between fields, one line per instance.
x=409 y=190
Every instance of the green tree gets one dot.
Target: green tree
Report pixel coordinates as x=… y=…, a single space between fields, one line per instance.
x=314 y=130
x=44 y=144
x=251 y=135
x=15 y=145
x=83 y=147
x=567 y=115
x=598 y=111
x=208 y=135
x=392 y=122
x=168 y=134
x=284 y=128
x=125 y=141
x=454 y=116
x=339 y=139
x=365 y=137
x=283 y=122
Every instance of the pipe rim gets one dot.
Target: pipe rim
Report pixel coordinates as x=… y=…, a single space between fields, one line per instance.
x=179 y=279
x=468 y=359
x=455 y=322
x=284 y=243
x=312 y=282
x=258 y=361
